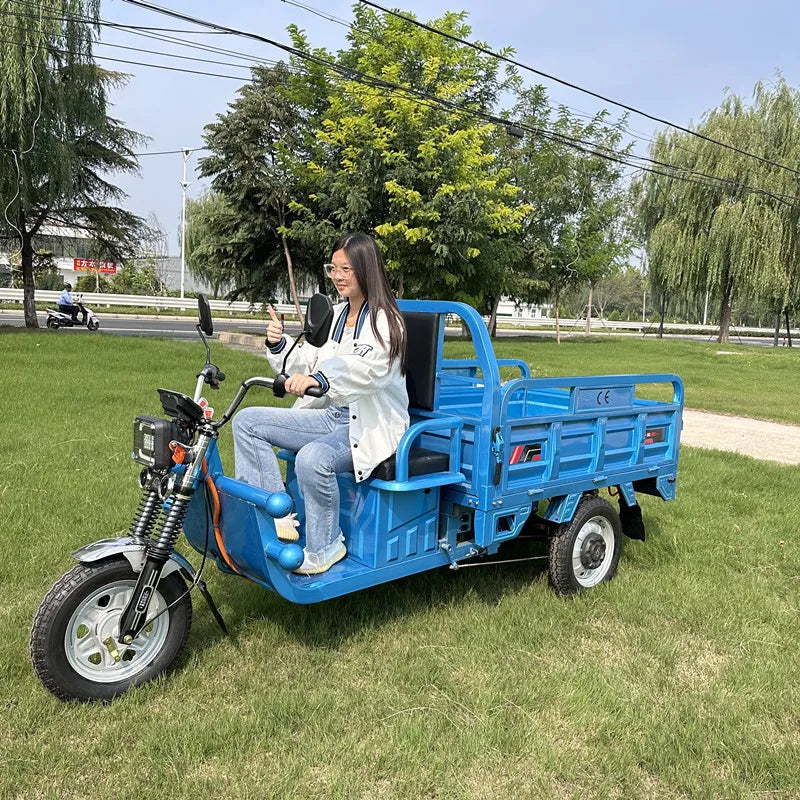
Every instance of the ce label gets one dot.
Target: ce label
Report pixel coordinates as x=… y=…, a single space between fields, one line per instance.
x=603 y=397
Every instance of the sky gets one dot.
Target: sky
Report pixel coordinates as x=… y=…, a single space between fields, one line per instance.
x=674 y=60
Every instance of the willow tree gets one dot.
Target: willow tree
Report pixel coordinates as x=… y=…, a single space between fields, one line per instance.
x=57 y=143
x=739 y=235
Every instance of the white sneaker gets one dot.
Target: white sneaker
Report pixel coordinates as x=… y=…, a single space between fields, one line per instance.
x=286 y=528
x=314 y=563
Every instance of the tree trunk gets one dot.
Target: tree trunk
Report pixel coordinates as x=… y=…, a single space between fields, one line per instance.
x=788 y=328
x=662 y=314
x=28 y=285
x=400 y=286
x=289 y=266
x=290 y=270
x=589 y=311
x=777 y=332
x=558 y=328
x=493 y=318
x=725 y=316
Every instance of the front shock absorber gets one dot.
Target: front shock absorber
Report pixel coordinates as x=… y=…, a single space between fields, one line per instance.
x=146 y=516
x=163 y=543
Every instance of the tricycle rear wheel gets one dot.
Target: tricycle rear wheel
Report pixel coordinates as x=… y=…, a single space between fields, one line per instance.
x=585 y=551
x=74 y=647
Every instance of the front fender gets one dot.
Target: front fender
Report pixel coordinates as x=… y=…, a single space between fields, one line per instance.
x=133 y=551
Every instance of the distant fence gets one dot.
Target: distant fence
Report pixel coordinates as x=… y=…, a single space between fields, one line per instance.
x=568 y=324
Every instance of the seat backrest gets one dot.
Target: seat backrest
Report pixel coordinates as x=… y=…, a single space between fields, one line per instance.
x=422 y=351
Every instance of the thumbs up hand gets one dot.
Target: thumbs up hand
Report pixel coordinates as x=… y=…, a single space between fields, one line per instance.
x=274 y=327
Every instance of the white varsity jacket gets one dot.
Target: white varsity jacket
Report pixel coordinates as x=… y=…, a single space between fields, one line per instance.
x=364 y=380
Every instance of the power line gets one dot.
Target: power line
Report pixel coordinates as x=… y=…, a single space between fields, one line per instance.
x=605 y=99
x=587 y=147
x=358 y=76
x=317 y=12
x=155 y=53
x=99 y=22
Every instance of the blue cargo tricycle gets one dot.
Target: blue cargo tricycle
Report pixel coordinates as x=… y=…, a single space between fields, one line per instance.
x=482 y=461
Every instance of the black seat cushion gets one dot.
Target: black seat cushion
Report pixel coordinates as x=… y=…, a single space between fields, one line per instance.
x=420 y=462
x=422 y=351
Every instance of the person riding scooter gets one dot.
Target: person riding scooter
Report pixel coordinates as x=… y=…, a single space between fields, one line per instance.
x=67 y=306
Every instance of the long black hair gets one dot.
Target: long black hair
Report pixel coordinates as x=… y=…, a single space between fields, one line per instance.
x=365 y=258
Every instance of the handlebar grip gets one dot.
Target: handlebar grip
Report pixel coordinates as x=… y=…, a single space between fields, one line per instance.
x=279 y=391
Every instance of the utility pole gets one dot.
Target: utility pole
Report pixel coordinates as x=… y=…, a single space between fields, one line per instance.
x=184 y=184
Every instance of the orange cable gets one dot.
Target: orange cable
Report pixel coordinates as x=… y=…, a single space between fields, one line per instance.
x=215 y=521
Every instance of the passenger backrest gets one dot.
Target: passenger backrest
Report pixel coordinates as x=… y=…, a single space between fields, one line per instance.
x=421 y=358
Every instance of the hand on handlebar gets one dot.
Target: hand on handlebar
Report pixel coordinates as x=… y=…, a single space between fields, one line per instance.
x=297 y=384
x=275 y=326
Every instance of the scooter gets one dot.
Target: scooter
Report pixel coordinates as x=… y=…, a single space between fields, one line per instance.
x=58 y=319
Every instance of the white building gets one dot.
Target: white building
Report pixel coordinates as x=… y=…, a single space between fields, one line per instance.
x=71 y=249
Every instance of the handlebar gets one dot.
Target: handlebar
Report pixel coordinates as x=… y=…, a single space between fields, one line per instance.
x=276 y=384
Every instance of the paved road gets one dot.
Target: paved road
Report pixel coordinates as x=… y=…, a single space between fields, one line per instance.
x=184 y=328
x=130 y=325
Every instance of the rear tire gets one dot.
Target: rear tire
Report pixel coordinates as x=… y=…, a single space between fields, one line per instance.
x=74 y=647
x=585 y=551
x=52 y=323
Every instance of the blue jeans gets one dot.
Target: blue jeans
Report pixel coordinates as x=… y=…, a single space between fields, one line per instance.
x=320 y=437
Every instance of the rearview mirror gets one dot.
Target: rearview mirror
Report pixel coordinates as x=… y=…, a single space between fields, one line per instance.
x=204 y=314
x=319 y=317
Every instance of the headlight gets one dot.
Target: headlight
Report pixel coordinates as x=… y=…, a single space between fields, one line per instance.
x=151 y=438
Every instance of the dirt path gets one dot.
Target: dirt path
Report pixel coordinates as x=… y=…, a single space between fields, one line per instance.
x=768 y=441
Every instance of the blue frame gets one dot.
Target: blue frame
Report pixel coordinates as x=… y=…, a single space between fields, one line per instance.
x=581 y=433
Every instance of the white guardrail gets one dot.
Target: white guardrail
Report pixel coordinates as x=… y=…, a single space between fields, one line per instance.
x=99 y=300
x=568 y=325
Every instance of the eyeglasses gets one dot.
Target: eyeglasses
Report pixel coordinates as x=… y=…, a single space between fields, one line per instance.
x=346 y=270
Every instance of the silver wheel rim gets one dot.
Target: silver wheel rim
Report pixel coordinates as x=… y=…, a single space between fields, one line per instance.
x=87 y=645
x=594 y=530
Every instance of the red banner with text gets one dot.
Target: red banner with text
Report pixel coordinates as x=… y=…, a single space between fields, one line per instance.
x=93 y=265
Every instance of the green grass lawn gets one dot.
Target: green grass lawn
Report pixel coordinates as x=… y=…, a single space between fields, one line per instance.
x=677 y=679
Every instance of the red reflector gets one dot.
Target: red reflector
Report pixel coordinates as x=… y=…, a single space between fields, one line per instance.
x=515 y=454
x=648 y=441
x=537 y=458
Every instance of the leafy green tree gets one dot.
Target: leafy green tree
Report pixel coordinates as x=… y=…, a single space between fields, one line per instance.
x=238 y=232
x=575 y=236
x=726 y=239
x=57 y=143
x=426 y=181
x=137 y=277
x=46 y=274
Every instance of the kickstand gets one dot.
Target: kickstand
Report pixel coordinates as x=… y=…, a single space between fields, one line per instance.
x=201 y=585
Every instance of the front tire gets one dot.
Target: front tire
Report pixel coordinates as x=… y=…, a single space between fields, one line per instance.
x=585 y=551
x=74 y=649
x=93 y=325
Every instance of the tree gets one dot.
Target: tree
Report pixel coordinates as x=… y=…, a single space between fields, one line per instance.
x=575 y=236
x=726 y=238
x=257 y=149
x=211 y=251
x=57 y=142
x=425 y=180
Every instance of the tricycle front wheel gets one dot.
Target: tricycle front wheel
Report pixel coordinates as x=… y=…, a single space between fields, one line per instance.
x=74 y=646
x=585 y=551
